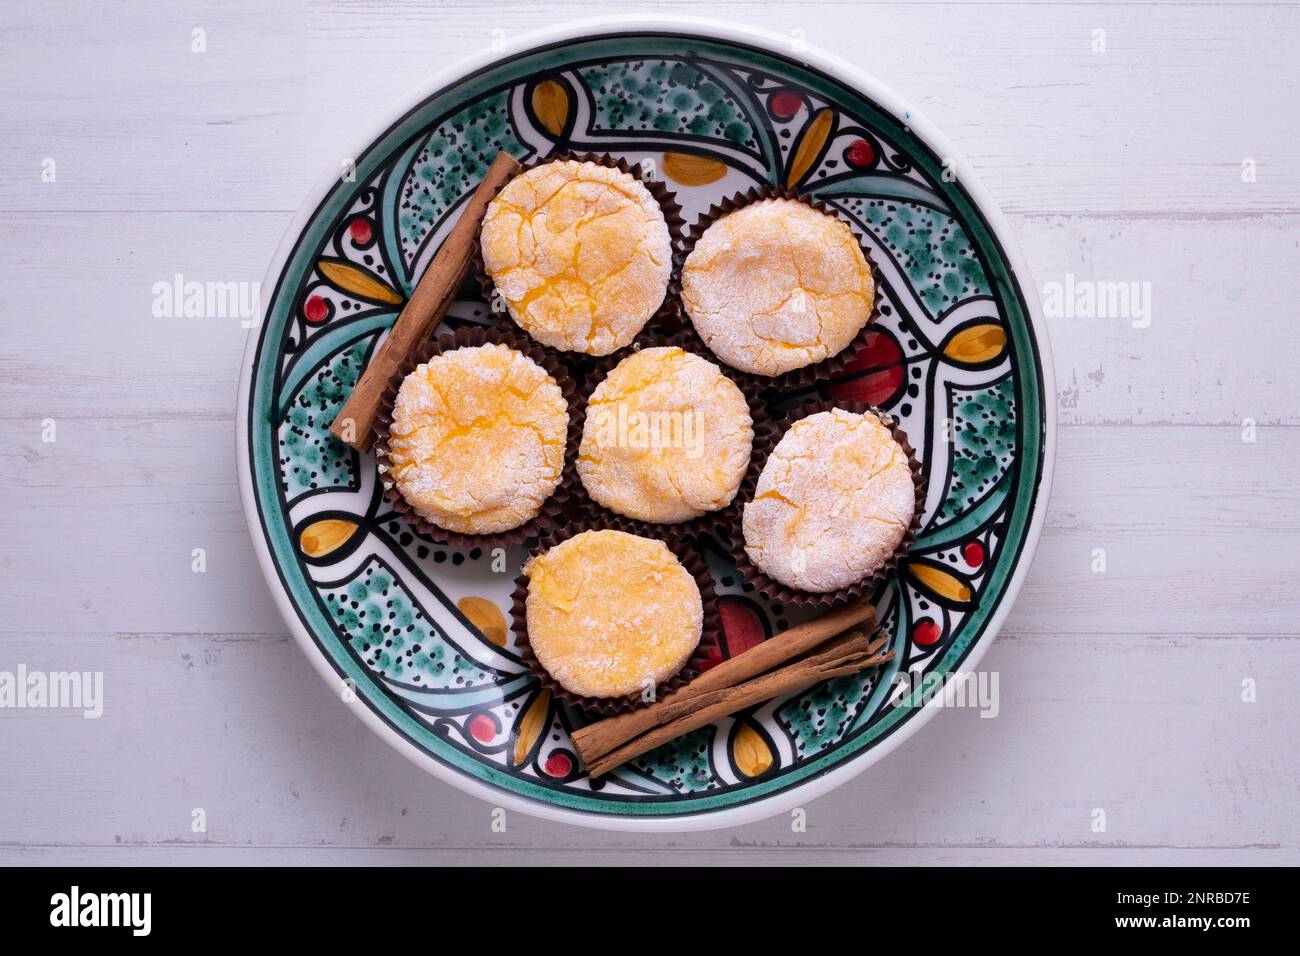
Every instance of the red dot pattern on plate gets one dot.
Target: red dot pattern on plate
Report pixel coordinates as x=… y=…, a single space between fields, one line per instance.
x=482 y=728
x=784 y=104
x=973 y=552
x=926 y=632
x=315 y=309
x=558 y=765
x=860 y=153
x=879 y=386
x=361 y=230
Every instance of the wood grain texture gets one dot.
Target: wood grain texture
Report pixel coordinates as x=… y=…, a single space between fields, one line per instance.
x=1157 y=123
x=274 y=758
x=1119 y=690
x=483 y=855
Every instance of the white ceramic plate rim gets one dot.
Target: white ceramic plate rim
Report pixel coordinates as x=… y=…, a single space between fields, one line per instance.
x=800 y=793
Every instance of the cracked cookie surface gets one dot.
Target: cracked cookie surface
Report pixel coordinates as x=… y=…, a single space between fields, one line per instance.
x=667 y=437
x=776 y=286
x=477 y=440
x=611 y=613
x=580 y=253
x=832 y=504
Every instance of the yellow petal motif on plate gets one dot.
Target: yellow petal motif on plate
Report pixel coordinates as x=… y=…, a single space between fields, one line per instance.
x=321 y=537
x=941 y=582
x=810 y=145
x=691 y=170
x=532 y=726
x=486 y=618
x=357 y=282
x=976 y=344
x=750 y=752
x=550 y=104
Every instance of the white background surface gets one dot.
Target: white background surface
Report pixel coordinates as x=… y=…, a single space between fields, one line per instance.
x=1120 y=691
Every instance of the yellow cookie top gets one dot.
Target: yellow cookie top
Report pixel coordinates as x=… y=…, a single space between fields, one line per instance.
x=832 y=504
x=580 y=253
x=610 y=613
x=776 y=286
x=477 y=442
x=667 y=437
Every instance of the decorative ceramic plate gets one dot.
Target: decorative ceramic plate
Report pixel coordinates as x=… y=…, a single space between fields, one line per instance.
x=414 y=634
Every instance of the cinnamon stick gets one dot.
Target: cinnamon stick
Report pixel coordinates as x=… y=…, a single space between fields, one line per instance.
x=845 y=655
x=433 y=295
x=604 y=735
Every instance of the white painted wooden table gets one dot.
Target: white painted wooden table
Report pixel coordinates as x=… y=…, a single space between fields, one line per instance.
x=1120 y=690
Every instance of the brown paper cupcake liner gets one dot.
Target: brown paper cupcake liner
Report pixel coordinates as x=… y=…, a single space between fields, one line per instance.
x=710 y=634
x=555 y=509
x=808 y=374
x=776 y=591
x=715 y=521
x=666 y=316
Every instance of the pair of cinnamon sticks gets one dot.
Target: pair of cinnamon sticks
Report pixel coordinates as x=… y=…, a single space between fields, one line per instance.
x=842 y=641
